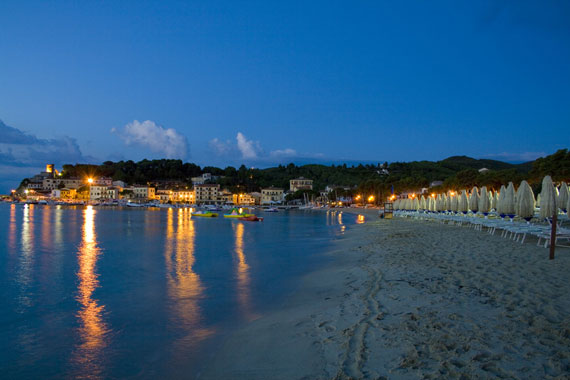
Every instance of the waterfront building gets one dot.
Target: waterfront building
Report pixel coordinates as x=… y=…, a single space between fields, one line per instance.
x=244 y=199
x=143 y=192
x=226 y=197
x=300 y=183
x=97 y=192
x=181 y=195
x=207 y=193
x=49 y=184
x=271 y=195
x=64 y=193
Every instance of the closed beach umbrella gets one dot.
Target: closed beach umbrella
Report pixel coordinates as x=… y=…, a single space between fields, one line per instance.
x=448 y=201
x=484 y=204
x=454 y=200
x=562 y=198
x=568 y=205
x=547 y=198
x=423 y=205
x=525 y=201
x=462 y=205
x=416 y=204
x=397 y=204
x=408 y=204
x=501 y=200
x=494 y=201
x=444 y=202
x=474 y=200
x=509 y=201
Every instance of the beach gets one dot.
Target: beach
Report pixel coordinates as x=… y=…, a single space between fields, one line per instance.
x=406 y=299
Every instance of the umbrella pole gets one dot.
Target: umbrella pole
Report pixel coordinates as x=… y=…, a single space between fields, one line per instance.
x=553 y=234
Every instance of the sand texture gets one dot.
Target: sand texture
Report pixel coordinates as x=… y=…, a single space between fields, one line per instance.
x=411 y=299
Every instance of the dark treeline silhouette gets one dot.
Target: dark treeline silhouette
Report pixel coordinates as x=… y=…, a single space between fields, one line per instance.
x=455 y=172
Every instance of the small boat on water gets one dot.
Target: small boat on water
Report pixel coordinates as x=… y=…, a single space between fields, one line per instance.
x=270 y=209
x=205 y=214
x=251 y=218
x=238 y=214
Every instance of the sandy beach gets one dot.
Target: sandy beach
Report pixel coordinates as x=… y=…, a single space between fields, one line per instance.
x=408 y=299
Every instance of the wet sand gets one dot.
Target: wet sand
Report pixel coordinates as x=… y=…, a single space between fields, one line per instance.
x=408 y=299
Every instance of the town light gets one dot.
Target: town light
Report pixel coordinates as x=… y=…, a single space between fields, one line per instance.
x=433 y=195
x=26 y=191
x=90 y=180
x=371 y=198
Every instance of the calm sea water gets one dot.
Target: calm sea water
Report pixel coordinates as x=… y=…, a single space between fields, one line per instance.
x=107 y=293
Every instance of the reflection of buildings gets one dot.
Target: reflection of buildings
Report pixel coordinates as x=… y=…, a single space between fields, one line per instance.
x=26 y=258
x=12 y=230
x=93 y=330
x=184 y=286
x=244 y=286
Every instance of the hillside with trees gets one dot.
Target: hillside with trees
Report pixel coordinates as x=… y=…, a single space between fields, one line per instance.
x=455 y=172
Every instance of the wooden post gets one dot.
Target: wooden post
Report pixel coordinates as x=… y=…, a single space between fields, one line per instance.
x=553 y=234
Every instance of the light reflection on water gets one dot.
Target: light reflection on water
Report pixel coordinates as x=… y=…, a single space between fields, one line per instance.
x=93 y=331
x=12 y=230
x=184 y=286
x=87 y=290
x=244 y=287
x=26 y=258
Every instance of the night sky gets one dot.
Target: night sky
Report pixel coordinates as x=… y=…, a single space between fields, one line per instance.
x=261 y=83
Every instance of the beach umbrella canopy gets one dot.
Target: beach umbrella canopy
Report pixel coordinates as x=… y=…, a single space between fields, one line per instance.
x=474 y=200
x=454 y=200
x=494 y=201
x=444 y=202
x=509 y=200
x=397 y=204
x=547 y=198
x=423 y=205
x=525 y=201
x=462 y=205
x=501 y=199
x=448 y=201
x=416 y=204
x=562 y=198
x=568 y=205
x=484 y=203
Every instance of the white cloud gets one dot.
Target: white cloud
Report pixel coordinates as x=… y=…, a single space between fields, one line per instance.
x=288 y=152
x=249 y=149
x=220 y=147
x=524 y=156
x=154 y=137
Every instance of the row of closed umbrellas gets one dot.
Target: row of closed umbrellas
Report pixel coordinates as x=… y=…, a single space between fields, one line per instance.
x=507 y=201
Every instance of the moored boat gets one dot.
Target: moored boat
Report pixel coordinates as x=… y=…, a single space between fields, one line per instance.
x=204 y=214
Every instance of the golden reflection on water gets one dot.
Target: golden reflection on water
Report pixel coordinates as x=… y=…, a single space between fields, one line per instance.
x=93 y=331
x=340 y=218
x=26 y=258
x=12 y=230
x=47 y=242
x=184 y=286
x=244 y=286
x=360 y=219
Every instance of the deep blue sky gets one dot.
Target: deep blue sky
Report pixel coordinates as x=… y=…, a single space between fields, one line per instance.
x=301 y=81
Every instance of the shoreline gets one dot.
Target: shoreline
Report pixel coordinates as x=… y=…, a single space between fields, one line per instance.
x=409 y=299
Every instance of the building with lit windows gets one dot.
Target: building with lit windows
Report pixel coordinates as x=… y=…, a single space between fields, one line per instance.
x=300 y=184
x=207 y=193
x=271 y=195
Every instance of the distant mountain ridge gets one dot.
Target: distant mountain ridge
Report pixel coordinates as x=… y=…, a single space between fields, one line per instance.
x=465 y=162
